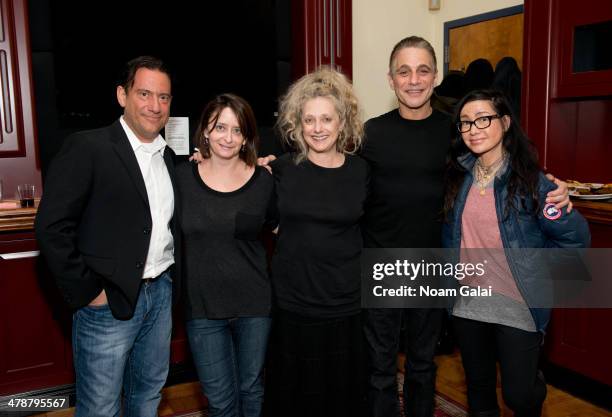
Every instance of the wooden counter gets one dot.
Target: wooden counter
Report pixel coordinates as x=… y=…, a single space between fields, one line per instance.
x=595 y=211
x=14 y=220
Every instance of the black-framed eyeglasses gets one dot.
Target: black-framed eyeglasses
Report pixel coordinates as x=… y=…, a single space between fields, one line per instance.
x=482 y=122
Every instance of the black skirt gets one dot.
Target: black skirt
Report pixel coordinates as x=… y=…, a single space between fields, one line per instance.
x=315 y=367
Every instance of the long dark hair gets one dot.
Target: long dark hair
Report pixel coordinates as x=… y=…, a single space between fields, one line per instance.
x=522 y=155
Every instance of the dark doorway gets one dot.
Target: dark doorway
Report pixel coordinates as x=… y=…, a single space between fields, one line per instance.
x=79 y=49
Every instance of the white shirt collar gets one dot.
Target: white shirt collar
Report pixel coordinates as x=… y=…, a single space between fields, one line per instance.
x=158 y=144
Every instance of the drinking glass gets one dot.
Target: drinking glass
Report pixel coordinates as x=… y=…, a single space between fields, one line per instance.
x=26 y=195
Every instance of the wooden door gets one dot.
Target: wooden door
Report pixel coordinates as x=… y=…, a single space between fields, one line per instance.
x=488 y=36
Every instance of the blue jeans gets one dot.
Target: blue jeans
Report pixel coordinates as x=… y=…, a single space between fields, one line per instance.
x=229 y=356
x=112 y=355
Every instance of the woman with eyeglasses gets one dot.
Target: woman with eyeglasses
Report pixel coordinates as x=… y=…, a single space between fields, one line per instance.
x=495 y=199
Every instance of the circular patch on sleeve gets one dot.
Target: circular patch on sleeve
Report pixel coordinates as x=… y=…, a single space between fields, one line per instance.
x=551 y=212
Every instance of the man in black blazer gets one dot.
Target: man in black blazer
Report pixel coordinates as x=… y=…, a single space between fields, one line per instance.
x=107 y=229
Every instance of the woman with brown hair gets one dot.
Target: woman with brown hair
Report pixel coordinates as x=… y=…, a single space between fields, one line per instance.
x=225 y=206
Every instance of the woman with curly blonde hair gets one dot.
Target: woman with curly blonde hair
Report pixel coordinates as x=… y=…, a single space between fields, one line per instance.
x=333 y=85
x=315 y=361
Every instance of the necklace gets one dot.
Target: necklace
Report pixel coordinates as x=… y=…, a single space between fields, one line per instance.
x=484 y=174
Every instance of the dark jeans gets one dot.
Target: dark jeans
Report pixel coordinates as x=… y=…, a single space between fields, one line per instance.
x=482 y=345
x=382 y=332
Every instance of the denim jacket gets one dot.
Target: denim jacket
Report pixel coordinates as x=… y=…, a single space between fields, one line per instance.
x=521 y=228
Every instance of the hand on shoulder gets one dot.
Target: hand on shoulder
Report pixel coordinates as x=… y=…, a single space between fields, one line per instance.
x=559 y=196
x=196 y=156
x=265 y=162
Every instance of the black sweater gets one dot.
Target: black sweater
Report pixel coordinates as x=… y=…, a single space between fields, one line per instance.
x=407 y=160
x=315 y=270
x=225 y=261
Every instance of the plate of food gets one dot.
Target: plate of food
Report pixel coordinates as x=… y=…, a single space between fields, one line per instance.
x=590 y=190
x=592 y=196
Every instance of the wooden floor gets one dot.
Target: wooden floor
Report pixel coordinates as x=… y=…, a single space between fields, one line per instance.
x=450 y=382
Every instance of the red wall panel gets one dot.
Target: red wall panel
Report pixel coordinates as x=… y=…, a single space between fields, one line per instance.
x=571 y=128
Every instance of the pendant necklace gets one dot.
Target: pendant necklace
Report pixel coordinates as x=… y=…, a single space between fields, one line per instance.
x=484 y=174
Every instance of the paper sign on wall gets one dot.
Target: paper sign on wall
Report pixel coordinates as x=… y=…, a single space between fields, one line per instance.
x=177 y=134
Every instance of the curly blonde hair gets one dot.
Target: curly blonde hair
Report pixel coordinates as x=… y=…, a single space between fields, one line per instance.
x=329 y=83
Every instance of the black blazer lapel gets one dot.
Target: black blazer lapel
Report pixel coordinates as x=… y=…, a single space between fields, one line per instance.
x=126 y=153
x=169 y=160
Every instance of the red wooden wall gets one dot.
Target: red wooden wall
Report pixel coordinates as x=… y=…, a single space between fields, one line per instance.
x=569 y=117
x=322 y=35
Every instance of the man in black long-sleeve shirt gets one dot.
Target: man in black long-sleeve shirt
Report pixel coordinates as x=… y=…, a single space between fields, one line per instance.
x=406 y=149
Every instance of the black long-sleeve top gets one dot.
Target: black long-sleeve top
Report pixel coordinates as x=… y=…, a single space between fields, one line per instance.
x=316 y=267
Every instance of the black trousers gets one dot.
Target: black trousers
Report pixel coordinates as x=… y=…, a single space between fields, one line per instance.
x=382 y=333
x=482 y=345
